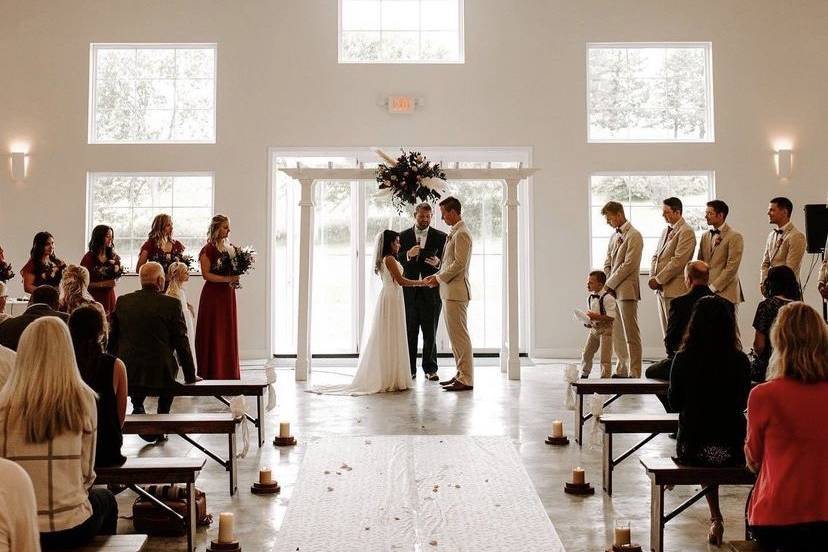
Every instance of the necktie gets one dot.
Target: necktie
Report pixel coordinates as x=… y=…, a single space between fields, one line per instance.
x=779 y=232
x=619 y=231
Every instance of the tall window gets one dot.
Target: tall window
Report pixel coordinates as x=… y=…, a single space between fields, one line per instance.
x=129 y=201
x=401 y=31
x=650 y=92
x=642 y=196
x=152 y=93
x=348 y=216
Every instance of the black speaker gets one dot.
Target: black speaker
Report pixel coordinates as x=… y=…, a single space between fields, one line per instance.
x=816 y=227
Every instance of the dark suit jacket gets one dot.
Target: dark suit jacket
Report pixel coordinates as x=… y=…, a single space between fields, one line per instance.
x=147 y=328
x=681 y=308
x=12 y=329
x=417 y=268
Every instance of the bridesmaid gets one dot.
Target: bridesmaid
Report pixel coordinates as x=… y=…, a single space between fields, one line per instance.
x=44 y=267
x=101 y=261
x=160 y=245
x=217 y=339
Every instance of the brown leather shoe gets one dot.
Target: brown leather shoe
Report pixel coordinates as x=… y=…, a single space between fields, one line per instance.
x=457 y=386
x=432 y=376
x=448 y=382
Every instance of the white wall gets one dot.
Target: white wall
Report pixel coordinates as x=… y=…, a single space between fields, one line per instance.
x=523 y=83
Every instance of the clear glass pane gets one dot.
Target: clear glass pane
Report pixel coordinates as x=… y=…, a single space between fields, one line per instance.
x=400 y=46
x=156 y=124
x=194 y=124
x=195 y=93
x=400 y=15
x=599 y=252
x=155 y=63
x=191 y=222
x=439 y=46
x=115 y=63
x=160 y=93
x=360 y=46
x=196 y=63
x=440 y=15
x=193 y=191
x=360 y=15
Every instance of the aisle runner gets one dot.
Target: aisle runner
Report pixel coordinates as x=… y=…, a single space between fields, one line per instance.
x=415 y=493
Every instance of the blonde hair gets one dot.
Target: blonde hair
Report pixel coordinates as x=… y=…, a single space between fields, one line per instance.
x=799 y=338
x=45 y=389
x=156 y=232
x=215 y=225
x=175 y=277
x=74 y=286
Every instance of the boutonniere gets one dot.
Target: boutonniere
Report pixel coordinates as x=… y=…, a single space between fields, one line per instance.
x=717 y=241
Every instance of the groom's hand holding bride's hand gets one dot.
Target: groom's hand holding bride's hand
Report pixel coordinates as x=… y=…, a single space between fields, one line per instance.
x=431 y=282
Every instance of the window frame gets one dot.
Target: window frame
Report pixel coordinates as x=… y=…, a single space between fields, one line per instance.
x=711 y=195
x=708 y=48
x=461 y=53
x=92 y=138
x=90 y=223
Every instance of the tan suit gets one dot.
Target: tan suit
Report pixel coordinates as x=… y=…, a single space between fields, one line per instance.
x=823 y=274
x=622 y=266
x=786 y=249
x=674 y=251
x=456 y=293
x=723 y=254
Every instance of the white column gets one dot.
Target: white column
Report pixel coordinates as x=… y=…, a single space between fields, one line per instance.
x=303 y=341
x=510 y=355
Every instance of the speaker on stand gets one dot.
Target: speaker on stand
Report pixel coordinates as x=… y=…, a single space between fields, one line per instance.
x=816 y=234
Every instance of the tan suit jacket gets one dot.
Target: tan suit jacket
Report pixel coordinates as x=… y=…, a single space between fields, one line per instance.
x=723 y=254
x=787 y=249
x=672 y=255
x=454 y=274
x=623 y=263
x=823 y=273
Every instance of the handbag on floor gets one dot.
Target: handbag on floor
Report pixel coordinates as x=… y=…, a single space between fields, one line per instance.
x=149 y=518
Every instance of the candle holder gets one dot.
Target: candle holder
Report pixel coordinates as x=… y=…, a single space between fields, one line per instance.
x=216 y=546
x=288 y=441
x=557 y=441
x=265 y=488
x=579 y=488
x=624 y=548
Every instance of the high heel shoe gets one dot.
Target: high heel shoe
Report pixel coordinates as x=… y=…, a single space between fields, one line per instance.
x=714 y=536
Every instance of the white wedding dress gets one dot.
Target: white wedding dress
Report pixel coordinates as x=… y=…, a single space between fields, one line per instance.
x=383 y=361
x=181 y=295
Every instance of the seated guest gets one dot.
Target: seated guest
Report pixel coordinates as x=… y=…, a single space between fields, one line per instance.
x=148 y=333
x=48 y=425
x=44 y=268
x=43 y=302
x=106 y=375
x=18 y=510
x=74 y=289
x=6 y=364
x=787 y=439
x=3 y=297
x=709 y=385
x=780 y=288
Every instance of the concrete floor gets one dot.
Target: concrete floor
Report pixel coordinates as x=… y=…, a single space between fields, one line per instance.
x=522 y=410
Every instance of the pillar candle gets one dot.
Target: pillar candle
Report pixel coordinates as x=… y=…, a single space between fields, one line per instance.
x=265 y=476
x=578 y=476
x=284 y=429
x=622 y=536
x=557 y=428
x=225 y=534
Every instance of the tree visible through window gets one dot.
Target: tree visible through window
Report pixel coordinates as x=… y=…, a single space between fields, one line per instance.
x=642 y=196
x=153 y=93
x=400 y=31
x=650 y=92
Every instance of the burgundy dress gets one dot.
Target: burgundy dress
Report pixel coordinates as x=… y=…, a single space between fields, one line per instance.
x=104 y=296
x=217 y=336
x=155 y=253
x=45 y=276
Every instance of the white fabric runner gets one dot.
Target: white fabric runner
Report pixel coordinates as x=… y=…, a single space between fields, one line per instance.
x=415 y=493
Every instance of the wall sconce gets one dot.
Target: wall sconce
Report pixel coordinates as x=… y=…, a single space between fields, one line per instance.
x=784 y=163
x=18 y=166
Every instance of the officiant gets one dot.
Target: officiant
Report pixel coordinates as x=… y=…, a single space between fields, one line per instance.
x=421 y=252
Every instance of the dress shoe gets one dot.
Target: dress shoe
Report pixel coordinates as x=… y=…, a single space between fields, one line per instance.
x=584 y=376
x=457 y=386
x=448 y=382
x=432 y=376
x=619 y=376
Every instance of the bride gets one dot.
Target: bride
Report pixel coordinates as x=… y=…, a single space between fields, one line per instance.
x=383 y=361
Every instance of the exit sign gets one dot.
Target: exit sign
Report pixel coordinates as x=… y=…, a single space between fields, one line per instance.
x=401 y=104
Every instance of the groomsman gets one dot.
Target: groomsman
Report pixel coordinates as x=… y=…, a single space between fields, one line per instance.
x=674 y=251
x=621 y=266
x=721 y=248
x=421 y=252
x=786 y=244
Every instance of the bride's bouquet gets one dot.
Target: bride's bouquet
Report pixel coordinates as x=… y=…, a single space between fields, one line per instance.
x=241 y=262
x=410 y=179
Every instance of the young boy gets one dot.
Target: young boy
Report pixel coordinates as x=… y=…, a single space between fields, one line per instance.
x=601 y=312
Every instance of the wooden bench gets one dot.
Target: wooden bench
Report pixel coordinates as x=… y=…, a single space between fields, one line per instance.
x=115 y=543
x=250 y=386
x=145 y=470
x=183 y=424
x=631 y=423
x=614 y=387
x=664 y=472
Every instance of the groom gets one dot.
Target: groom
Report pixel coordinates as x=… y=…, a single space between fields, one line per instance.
x=421 y=248
x=453 y=279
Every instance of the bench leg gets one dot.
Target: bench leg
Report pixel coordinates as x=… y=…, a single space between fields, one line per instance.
x=656 y=517
x=608 y=463
x=231 y=461
x=579 y=420
x=260 y=419
x=190 y=522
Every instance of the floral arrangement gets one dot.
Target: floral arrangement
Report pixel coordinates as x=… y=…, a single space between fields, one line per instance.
x=176 y=254
x=51 y=272
x=410 y=179
x=112 y=269
x=6 y=272
x=240 y=263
